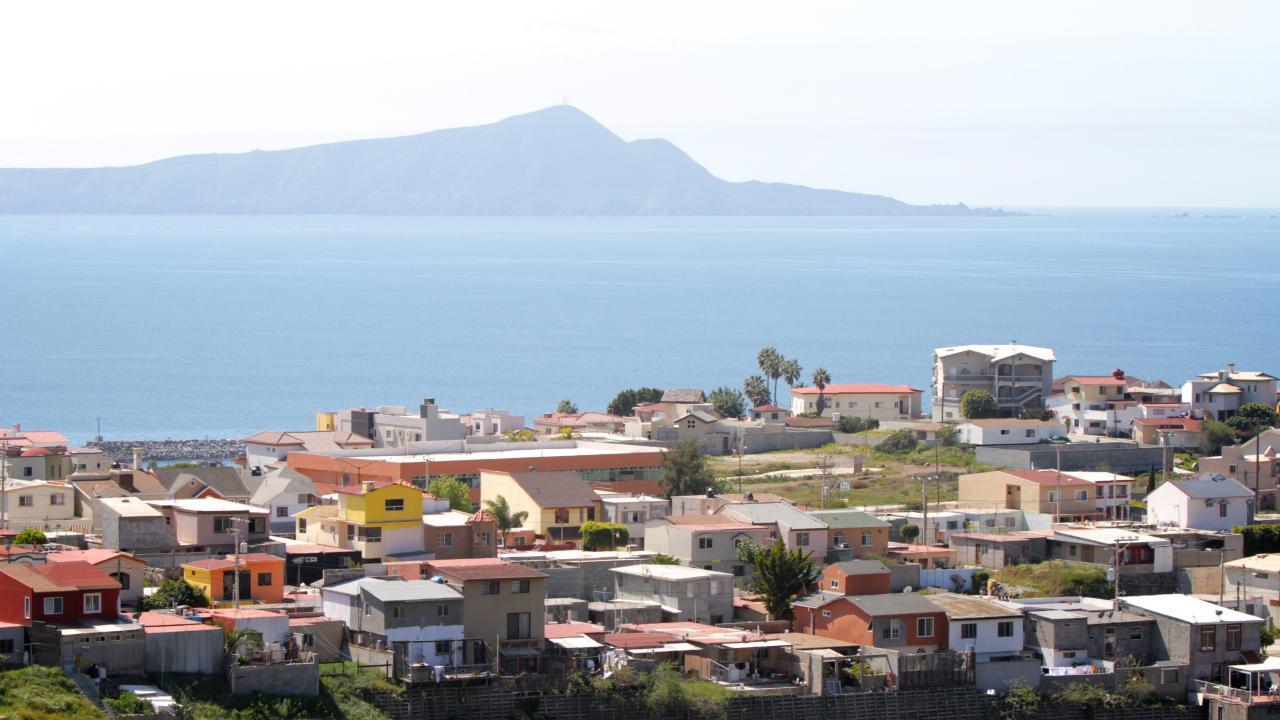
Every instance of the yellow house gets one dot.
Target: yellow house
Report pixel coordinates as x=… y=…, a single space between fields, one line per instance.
x=381 y=520
x=261 y=579
x=557 y=502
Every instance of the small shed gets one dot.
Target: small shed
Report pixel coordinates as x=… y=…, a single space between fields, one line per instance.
x=181 y=645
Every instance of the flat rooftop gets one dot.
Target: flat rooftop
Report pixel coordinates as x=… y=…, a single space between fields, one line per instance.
x=583 y=449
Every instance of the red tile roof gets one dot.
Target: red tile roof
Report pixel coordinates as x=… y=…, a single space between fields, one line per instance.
x=638 y=639
x=857 y=389
x=60 y=577
x=97 y=556
x=482 y=569
x=768 y=408
x=230 y=561
x=570 y=629
x=1095 y=379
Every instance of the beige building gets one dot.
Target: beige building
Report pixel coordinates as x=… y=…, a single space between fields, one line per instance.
x=1065 y=497
x=505 y=602
x=557 y=502
x=1255 y=464
x=882 y=402
x=40 y=504
x=1017 y=376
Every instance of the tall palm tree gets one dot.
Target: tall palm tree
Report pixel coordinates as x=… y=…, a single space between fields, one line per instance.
x=821 y=378
x=503 y=518
x=791 y=371
x=757 y=389
x=770 y=362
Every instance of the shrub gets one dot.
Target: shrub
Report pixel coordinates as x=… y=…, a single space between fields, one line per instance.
x=30 y=536
x=909 y=532
x=126 y=703
x=1021 y=702
x=978 y=404
x=603 y=535
x=1263 y=538
x=172 y=593
x=900 y=441
x=851 y=424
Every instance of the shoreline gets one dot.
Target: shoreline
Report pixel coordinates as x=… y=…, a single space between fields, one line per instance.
x=191 y=450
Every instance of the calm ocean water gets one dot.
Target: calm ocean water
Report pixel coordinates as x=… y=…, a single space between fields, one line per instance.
x=224 y=326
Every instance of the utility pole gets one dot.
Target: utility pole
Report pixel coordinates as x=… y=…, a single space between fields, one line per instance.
x=1117 y=548
x=1057 y=494
x=741 y=447
x=236 y=532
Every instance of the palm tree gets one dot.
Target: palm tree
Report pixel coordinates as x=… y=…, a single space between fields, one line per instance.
x=503 y=518
x=821 y=378
x=238 y=640
x=756 y=389
x=791 y=371
x=770 y=362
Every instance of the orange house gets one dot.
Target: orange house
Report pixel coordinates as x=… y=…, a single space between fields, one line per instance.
x=905 y=622
x=261 y=579
x=856 y=577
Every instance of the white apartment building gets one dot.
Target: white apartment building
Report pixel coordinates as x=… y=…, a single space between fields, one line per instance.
x=1218 y=395
x=1017 y=376
x=393 y=426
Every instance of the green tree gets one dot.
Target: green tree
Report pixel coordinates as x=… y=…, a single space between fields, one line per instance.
x=239 y=642
x=1253 y=418
x=909 y=532
x=448 y=487
x=757 y=390
x=770 y=362
x=30 y=536
x=1022 y=702
x=748 y=551
x=728 y=402
x=791 y=372
x=899 y=441
x=821 y=379
x=598 y=535
x=1214 y=435
x=978 y=404
x=522 y=435
x=685 y=470
x=173 y=593
x=948 y=436
x=503 y=519
x=626 y=401
x=780 y=575
x=567 y=407
x=1260 y=538
x=854 y=424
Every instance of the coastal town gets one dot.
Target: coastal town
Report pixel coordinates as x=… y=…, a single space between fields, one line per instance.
x=1014 y=538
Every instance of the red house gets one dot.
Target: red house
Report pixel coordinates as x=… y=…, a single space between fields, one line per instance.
x=905 y=622
x=856 y=577
x=57 y=593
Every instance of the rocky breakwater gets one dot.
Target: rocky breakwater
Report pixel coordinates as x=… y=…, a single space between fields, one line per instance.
x=162 y=451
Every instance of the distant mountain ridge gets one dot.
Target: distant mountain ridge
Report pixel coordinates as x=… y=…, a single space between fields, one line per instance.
x=555 y=161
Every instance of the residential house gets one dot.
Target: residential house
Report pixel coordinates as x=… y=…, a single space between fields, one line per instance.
x=557 y=503
x=135 y=526
x=1255 y=583
x=998 y=550
x=260 y=576
x=177 y=644
x=271 y=449
x=306 y=562
x=856 y=532
x=855 y=577
x=504 y=602
x=709 y=542
x=120 y=566
x=213 y=524
x=1138 y=553
x=1174 y=432
x=990 y=630
x=904 y=622
x=1111 y=492
x=1094 y=404
x=1077 y=632
x=1037 y=491
x=1204 y=636
x=1017 y=376
x=380 y=520
x=492 y=423
x=393 y=426
x=769 y=413
x=456 y=534
x=284 y=493
x=40 y=504
x=71 y=611
x=681 y=401
x=31 y=462
x=420 y=620
x=633 y=511
x=685 y=593
x=797 y=529
x=1254 y=463
x=1006 y=431
x=870 y=400
x=579 y=422
x=928 y=557
x=202 y=481
x=1208 y=503
x=88 y=461
x=1218 y=395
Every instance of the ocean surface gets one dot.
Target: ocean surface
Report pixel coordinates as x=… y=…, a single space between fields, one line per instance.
x=188 y=327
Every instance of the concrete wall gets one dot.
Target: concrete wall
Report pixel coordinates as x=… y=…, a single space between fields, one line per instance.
x=999 y=676
x=186 y=651
x=289 y=679
x=1115 y=457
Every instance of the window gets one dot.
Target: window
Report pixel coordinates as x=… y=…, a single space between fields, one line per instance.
x=446 y=539
x=373 y=534
x=1008 y=522
x=691 y=424
x=802 y=539
x=6 y=646
x=1135 y=633
x=58 y=499
x=562 y=515
x=1122 y=491
x=26 y=608
x=924 y=627
x=1168 y=677
x=1233 y=637
x=304 y=499
x=705 y=543
x=518 y=626
x=520 y=587
x=1222 y=509
x=491 y=587
x=444 y=647
x=1004 y=628
x=837 y=539
x=1071 y=550
x=27 y=472
x=866 y=538
x=26 y=500
x=397 y=611
x=1029 y=433
x=264 y=579
x=393 y=504
x=302 y=525
x=826 y=613
x=442 y=610
x=1082 y=495
x=739 y=570
x=1004 y=432
x=1053 y=496
x=968 y=631
x=1208 y=638
x=891 y=630
x=222 y=524
x=835 y=583
x=282 y=511
x=53 y=606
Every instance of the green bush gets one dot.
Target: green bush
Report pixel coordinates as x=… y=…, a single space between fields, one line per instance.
x=126 y=703
x=1020 y=703
x=172 y=593
x=900 y=441
x=30 y=536
x=1264 y=538
x=603 y=535
x=851 y=424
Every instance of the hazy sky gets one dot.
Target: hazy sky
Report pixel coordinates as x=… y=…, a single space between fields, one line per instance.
x=1010 y=103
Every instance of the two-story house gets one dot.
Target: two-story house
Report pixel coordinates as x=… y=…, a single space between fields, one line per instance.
x=992 y=631
x=1111 y=492
x=854 y=532
x=121 y=566
x=40 y=504
x=419 y=620
x=134 y=525
x=797 y=529
x=691 y=594
x=1204 y=636
x=284 y=493
x=633 y=511
x=381 y=520
x=505 y=603
x=455 y=534
x=72 y=614
x=905 y=622
x=1254 y=463
x=259 y=577
x=557 y=502
x=1218 y=395
x=213 y=524
x=709 y=542
x=1064 y=497
x=1094 y=404
x=1017 y=376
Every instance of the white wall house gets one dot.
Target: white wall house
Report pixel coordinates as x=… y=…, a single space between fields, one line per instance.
x=1007 y=431
x=1017 y=376
x=1218 y=395
x=988 y=629
x=883 y=402
x=284 y=493
x=1209 y=503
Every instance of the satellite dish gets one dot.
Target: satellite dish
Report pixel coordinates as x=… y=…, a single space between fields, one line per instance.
x=906 y=589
